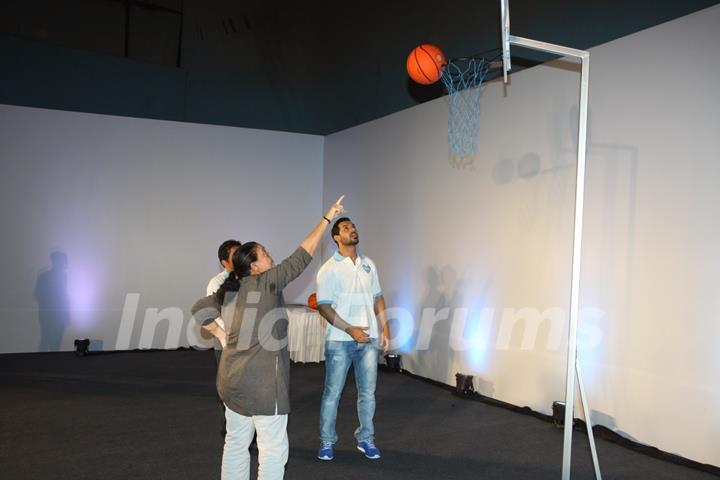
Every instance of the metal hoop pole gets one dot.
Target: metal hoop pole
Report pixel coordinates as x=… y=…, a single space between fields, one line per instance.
x=588 y=421
x=571 y=371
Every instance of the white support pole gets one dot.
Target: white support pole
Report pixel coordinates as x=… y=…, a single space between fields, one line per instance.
x=584 y=58
x=575 y=280
x=588 y=422
x=548 y=47
x=505 y=34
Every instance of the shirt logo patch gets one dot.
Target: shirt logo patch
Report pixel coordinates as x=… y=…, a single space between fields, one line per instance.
x=366 y=268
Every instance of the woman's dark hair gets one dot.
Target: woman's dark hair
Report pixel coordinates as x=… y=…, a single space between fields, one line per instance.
x=241 y=260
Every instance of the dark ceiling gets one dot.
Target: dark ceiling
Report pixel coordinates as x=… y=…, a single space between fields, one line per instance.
x=321 y=66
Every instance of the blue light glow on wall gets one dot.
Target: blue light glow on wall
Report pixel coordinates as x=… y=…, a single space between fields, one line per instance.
x=591 y=332
x=402 y=321
x=82 y=290
x=477 y=335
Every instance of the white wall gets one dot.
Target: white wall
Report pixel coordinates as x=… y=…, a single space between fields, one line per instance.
x=140 y=206
x=495 y=233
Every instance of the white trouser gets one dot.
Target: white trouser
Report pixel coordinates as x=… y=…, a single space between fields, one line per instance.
x=272 y=442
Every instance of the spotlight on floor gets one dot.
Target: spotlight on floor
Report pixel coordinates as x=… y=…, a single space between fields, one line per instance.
x=464 y=384
x=82 y=347
x=392 y=360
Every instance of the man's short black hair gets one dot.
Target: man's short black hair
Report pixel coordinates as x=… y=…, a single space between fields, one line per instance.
x=336 y=227
x=224 y=250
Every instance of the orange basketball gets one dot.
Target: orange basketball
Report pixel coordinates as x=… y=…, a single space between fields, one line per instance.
x=425 y=64
x=312 y=301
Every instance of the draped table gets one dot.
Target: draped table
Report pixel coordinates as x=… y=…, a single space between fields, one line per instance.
x=306 y=334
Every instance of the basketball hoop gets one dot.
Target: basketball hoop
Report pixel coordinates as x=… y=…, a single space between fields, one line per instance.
x=463 y=79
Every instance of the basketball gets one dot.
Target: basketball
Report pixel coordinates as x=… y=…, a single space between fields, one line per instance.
x=312 y=301
x=425 y=64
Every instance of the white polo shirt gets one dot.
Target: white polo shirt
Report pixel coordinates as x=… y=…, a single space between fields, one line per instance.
x=350 y=288
x=213 y=287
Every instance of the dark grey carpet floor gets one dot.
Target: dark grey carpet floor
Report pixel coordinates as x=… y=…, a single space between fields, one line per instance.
x=155 y=415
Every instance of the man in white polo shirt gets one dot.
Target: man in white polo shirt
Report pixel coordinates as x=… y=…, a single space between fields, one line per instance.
x=350 y=299
x=217 y=328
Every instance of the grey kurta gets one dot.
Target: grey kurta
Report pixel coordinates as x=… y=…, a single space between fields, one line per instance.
x=254 y=371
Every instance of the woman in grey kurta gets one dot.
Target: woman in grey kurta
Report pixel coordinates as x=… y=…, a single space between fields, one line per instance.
x=254 y=372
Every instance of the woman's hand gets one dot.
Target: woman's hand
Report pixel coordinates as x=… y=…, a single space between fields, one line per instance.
x=335 y=209
x=216 y=331
x=311 y=241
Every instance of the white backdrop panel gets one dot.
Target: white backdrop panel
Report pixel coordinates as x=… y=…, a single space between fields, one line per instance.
x=139 y=207
x=491 y=236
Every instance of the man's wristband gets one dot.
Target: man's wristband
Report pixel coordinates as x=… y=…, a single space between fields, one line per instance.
x=328 y=220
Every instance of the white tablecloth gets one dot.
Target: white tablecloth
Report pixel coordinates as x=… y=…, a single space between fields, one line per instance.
x=306 y=334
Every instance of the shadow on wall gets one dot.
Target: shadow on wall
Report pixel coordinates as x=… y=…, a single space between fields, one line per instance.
x=600 y=418
x=51 y=295
x=435 y=354
x=442 y=297
x=526 y=167
x=449 y=330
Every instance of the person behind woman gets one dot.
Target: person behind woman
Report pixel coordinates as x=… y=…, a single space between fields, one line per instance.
x=254 y=373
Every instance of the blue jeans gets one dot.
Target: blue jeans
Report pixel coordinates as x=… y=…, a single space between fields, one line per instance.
x=338 y=357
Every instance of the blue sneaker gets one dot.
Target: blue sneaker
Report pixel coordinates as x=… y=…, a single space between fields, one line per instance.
x=369 y=449
x=326 y=451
